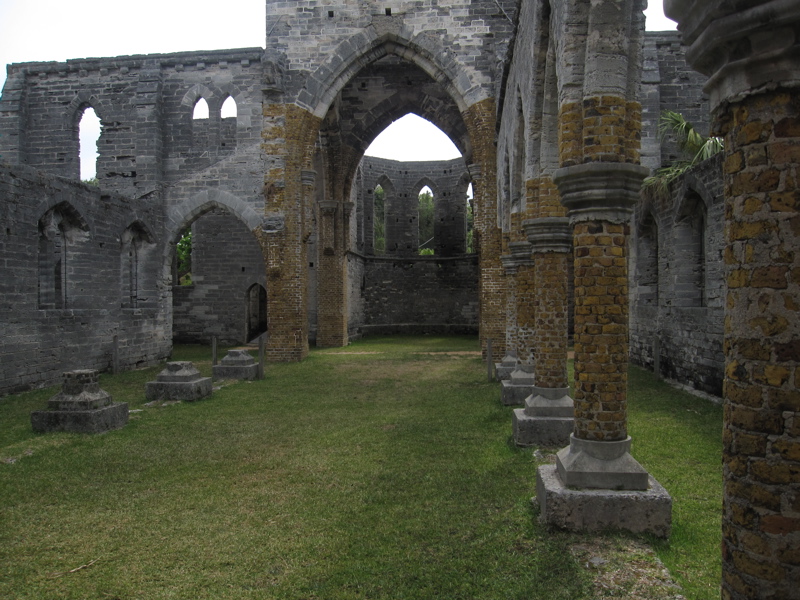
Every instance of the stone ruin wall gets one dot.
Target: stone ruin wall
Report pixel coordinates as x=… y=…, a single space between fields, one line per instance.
x=150 y=143
x=158 y=169
x=65 y=291
x=677 y=286
x=401 y=291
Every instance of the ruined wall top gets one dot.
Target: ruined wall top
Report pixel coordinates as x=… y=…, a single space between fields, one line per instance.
x=461 y=43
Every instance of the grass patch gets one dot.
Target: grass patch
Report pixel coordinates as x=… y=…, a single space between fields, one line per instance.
x=380 y=470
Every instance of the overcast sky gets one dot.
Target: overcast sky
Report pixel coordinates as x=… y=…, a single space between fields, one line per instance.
x=43 y=30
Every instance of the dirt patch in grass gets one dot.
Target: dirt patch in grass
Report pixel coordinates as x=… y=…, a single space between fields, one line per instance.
x=624 y=568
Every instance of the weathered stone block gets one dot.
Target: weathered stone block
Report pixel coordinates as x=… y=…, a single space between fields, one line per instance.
x=504 y=368
x=547 y=419
x=179 y=380
x=518 y=387
x=80 y=407
x=641 y=511
x=237 y=364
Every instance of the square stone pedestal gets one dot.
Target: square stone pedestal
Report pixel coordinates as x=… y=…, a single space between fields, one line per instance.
x=517 y=387
x=237 y=364
x=81 y=407
x=547 y=419
x=504 y=368
x=638 y=511
x=179 y=380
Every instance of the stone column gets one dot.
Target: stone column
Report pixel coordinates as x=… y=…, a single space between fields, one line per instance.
x=331 y=300
x=547 y=419
x=480 y=120
x=519 y=273
x=751 y=53
x=596 y=483
x=600 y=198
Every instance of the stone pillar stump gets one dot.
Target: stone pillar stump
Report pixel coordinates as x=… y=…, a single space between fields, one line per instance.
x=180 y=380
x=237 y=364
x=81 y=407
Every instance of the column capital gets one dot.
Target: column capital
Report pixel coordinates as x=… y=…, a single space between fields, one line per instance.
x=328 y=207
x=743 y=51
x=600 y=191
x=510 y=265
x=520 y=253
x=548 y=234
x=308 y=177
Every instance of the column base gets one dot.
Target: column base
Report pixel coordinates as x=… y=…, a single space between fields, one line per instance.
x=600 y=465
x=113 y=416
x=504 y=368
x=518 y=387
x=637 y=511
x=547 y=419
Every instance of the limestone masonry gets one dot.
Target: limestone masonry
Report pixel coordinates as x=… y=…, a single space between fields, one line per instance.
x=542 y=239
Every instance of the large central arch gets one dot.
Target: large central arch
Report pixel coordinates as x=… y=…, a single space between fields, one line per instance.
x=418 y=74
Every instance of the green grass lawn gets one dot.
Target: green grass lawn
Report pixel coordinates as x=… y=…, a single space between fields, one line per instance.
x=380 y=470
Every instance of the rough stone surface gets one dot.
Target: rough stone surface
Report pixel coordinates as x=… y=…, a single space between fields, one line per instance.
x=517 y=387
x=547 y=419
x=80 y=407
x=237 y=364
x=647 y=511
x=179 y=380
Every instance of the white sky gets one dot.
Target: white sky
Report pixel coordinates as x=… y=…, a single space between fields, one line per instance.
x=56 y=30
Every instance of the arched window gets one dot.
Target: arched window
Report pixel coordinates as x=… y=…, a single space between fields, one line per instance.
x=88 y=135
x=690 y=252
x=59 y=229
x=136 y=243
x=256 y=299
x=427 y=213
x=200 y=109
x=647 y=262
x=379 y=212
x=228 y=109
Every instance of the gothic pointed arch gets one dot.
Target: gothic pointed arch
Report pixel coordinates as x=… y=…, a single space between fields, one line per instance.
x=425 y=50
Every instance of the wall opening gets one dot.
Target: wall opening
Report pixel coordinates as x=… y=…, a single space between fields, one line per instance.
x=690 y=253
x=89 y=129
x=470 y=220
x=647 y=257
x=59 y=230
x=427 y=211
x=228 y=109
x=256 y=311
x=182 y=274
x=200 y=110
x=379 y=227
x=136 y=245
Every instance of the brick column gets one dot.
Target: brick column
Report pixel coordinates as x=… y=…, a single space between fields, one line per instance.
x=751 y=54
x=289 y=136
x=480 y=121
x=600 y=197
x=547 y=419
x=331 y=295
x=519 y=322
x=596 y=483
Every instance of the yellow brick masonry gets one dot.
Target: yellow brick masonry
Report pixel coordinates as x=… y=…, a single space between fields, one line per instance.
x=549 y=293
x=761 y=440
x=289 y=133
x=600 y=129
x=480 y=121
x=601 y=330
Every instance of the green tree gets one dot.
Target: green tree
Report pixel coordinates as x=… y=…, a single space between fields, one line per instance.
x=470 y=227
x=183 y=251
x=379 y=221
x=427 y=210
x=694 y=146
